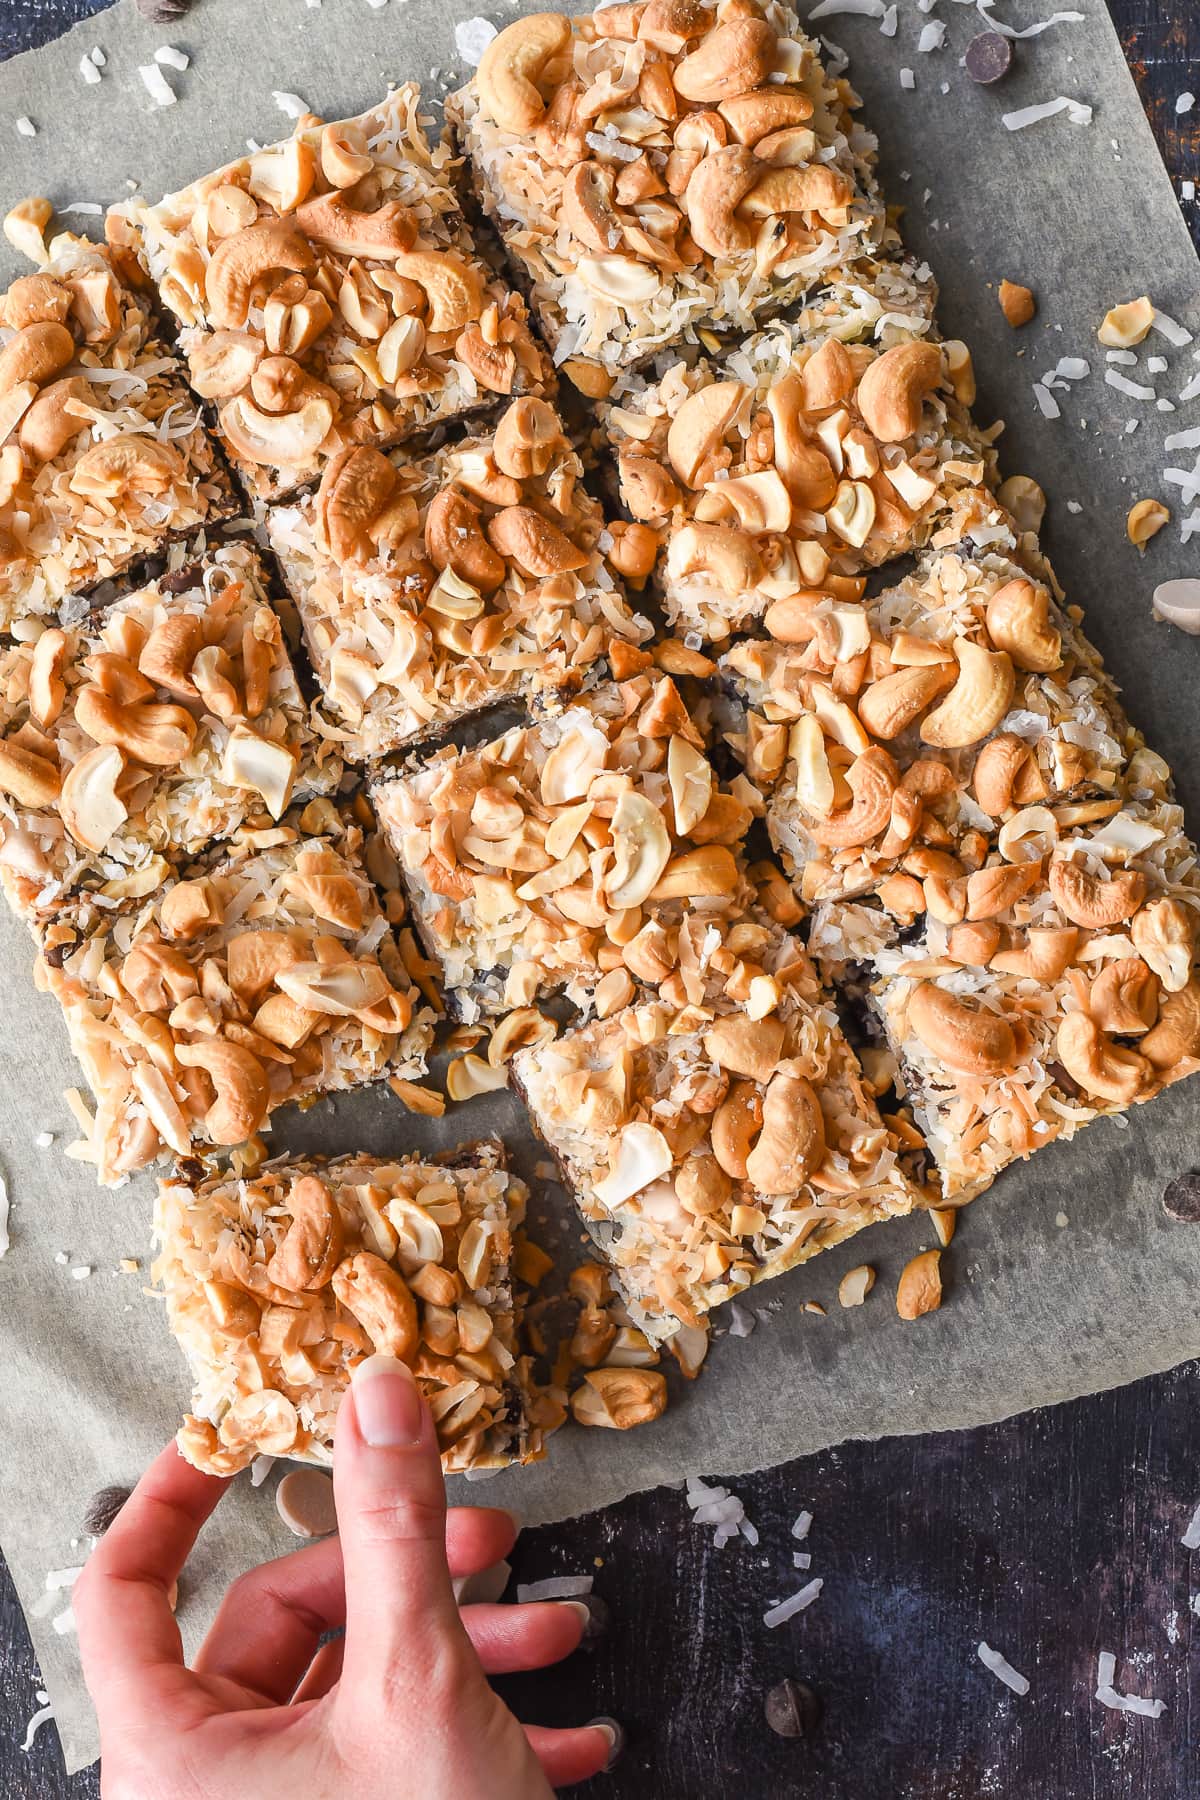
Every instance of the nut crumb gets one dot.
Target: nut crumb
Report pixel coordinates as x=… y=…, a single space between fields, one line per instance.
x=1017 y=303
x=854 y=1286
x=1124 y=326
x=944 y=1219
x=920 y=1287
x=1144 y=519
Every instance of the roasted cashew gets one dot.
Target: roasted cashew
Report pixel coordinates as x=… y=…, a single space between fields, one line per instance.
x=1047 y=953
x=294 y=316
x=735 y=1125
x=89 y=805
x=380 y=1299
x=740 y=1045
x=282 y=175
x=538 y=548
x=47 y=689
x=167 y=655
x=1098 y=1066
x=1006 y=774
x=355 y=489
x=759 y=502
x=807 y=472
x=1164 y=932
x=311 y=1248
x=872 y=779
x=240 y=1083
x=722 y=552
x=344 y=158
x=811 y=188
x=968 y=1039
x=702 y=1186
x=30 y=779
x=587 y=207
x=699 y=427
x=1087 y=900
x=35 y=354
x=159 y=736
x=222 y=363
x=36 y=300
x=1176 y=1037
x=619 y=1398
x=278 y=440
x=891 y=704
x=511 y=66
x=453 y=289
x=1123 y=999
x=240 y=263
x=454 y=539
x=992 y=891
x=892 y=390
x=671 y=25
x=978 y=700
x=732 y=59
x=718 y=185
x=1018 y=620
x=751 y=117
x=791 y=1144
x=112 y=468
x=332 y=222
x=827 y=378
x=527 y=439
x=49 y=425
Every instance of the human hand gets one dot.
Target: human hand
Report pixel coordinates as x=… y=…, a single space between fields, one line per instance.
x=400 y=1706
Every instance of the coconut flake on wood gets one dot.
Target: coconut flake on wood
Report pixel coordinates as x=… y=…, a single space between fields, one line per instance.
x=554 y=1587
x=1002 y=1669
x=1029 y=31
x=1107 y=1695
x=787 y=1609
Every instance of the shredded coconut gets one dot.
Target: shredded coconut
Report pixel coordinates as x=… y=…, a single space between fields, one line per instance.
x=89 y=71
x=867 y=9
x=1030 y=31
x=1002 y=1669
x=157 y=85
x=1136 y=390
x=787 y=1609
x=1185 y=103
x=291 y=104
x=39 y=1718
x=471 y=39
x=1191 y=1537
x=554 y=1587
x=908 y=80
x=173 y=58
x=1047 y=405
x=1171 y=329
x=1107 y=1695
x=1077 y=114
x=802 y=1525
x=26 y=127
x=932 y=37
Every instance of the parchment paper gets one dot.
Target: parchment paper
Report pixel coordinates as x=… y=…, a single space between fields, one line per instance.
x=1037 y=1311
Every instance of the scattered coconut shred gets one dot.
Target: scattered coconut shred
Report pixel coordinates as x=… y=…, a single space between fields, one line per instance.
x=1002 y=1669
x=1191 y=1537
x=157 y=85
x=718 y=1506
x=1077 y=113
x=1107 y=1694
x=44 y=1713
x=471 y=39
x=4 y=1212
x=554 y=1587
x=783 y=1610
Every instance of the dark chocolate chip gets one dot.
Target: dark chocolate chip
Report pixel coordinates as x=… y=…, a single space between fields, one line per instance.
x=161 y=12
x=989 y=56
x=1181 y=1201
x=191 y=575
x=1061 y=1079
x=792 y=1709
x=103 y=1508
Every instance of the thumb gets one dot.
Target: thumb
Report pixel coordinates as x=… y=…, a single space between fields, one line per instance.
x=391 y=1506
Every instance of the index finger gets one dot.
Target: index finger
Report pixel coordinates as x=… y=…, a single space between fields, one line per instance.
x=126 y=1627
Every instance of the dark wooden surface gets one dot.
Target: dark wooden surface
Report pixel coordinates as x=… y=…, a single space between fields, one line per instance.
x=1052 y=1537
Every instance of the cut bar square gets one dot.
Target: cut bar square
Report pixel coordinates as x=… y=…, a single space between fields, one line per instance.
x=105 y=457
x=907 y=730
x=1061 y=1000
x=657 y=171
x=589 y=851
x=329 y=293
x=279 y=1284
x=716 y=1144
x=144 y=733
x=433 y=586
x=271 y=976
x=799 y=461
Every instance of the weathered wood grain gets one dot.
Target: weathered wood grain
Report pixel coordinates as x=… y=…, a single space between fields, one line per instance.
x=1051 y=1537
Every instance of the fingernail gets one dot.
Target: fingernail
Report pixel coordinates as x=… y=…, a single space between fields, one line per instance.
x=581 y=1610
x=513 y=1518
x=614 y=1733
x=386 y=1403
x=598 y=1616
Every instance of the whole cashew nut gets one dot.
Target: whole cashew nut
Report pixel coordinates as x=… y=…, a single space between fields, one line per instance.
x=723 y=552
x=1018 y=621
x=978 y=700
x=967 y=1038
x=1176 y=1037
x=1087 y=900
x=1098 y=1066
x=34 y=354
x=646 y=488
x=355 y=489
x=698 y=428
x=737 y=56
x=380 y=1299
x=159 y=736
x=240 y=262
x=791 y=1145
x=332 y=222
x=736 y=1123
x=718 y=185
x=240 y=1081
x=893 y=389
x=1006 y=774
x=891 y=704
x=510 y=67
x=49 y=426
x=311 y=1248
x=1047 y=953
x=1123 y=999
x=872 y=779
x=538 y=548
x=454 y=540
x=1164 y=934
x=277 y=440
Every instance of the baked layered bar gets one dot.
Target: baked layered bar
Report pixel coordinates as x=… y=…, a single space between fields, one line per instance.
x=329 y=293
x=657 y=169
x=271 y=976
x=431 y=587
x=587 y=852
x=276 y=1286
x=104 y=455
x=903 y=732
x=795 y=461
x=718 y=1143
x=148 y=731
x=1049 y=987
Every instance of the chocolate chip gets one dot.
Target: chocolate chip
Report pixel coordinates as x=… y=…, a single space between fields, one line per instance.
x=103 y=1508
x=161 y=12
x=304 y=1501
x=792 y=1709
x=191 y=575
x=1181 y=1201
x=989 y=56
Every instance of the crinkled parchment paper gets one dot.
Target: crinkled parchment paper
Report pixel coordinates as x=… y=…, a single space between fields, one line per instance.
x=1038 y=1310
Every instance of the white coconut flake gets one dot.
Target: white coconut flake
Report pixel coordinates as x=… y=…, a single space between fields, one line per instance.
x=1047 y=405
x=1189 y=526
x=1187 y=190
x=291 y=104
x=1191 y=1537
x=1073 y=368
x=889 y=22
x=866 y=9
x=554 y=1587
x=802 y=1525
x=157 y=85
x=1077 y=113
x=81 y=1272
x=26 y=127
x=43 y=1140
x=1190 y=389
x=1171 y=329
x=1188 y=480
x=932 y=37
x=1135 y=390
x=787 y=1609
x=1127 y=357
x=1157 y=365
x=4 y=1211
x=171 y=57
x=88 y=208
x=89 y=71
x=801 y=1559
x=1002 y=1669
x=471 y=38
x=63 y=1622
x=741 y=1321
x=1030 y=31
x=1185 y=103
x=908 y=80
x=35 y=1724
x=1107 y=1695
x=260 y=1468
x=1184 y=440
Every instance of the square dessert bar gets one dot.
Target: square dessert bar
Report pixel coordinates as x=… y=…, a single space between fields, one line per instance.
x=722 y=1141
x=655 y=169
x=794 y=461
x=104 y=456
x=144 y=733
x=278 y=1285
x=329 y=293
x=590 y=851
x=271 y=976
x=431 y=587
x=906 y=730
x=1018 y=1009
